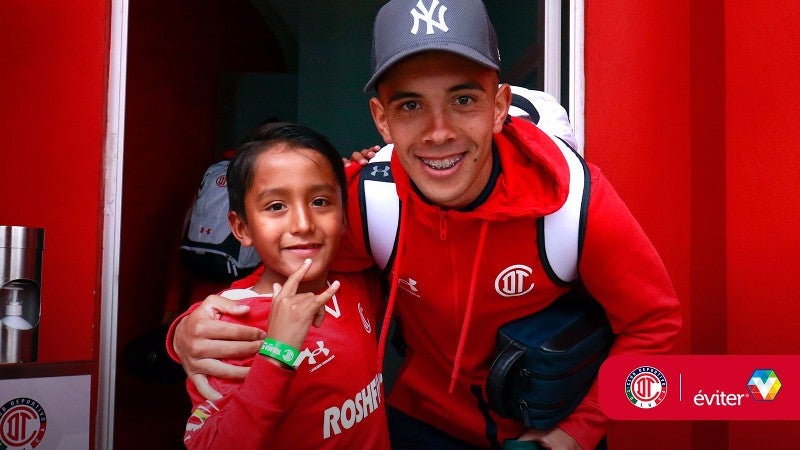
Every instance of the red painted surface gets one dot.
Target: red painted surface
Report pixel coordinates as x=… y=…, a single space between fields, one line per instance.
x=53 y=59
x=691 y=112
x=649 y=90
x=638 y=133
x=763 y=194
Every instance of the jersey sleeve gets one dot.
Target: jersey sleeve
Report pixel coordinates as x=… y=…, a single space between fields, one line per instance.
x=247 y=415
x=622 y=270
x=352 y=255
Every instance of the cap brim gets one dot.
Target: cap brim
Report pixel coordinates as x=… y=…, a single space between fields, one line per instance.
x=451 y=47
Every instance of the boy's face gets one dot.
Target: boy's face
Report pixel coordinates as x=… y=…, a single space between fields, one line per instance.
x=440 y=111
x=294 y=211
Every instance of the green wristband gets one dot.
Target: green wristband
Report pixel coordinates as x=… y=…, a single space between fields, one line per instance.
x=280 y=351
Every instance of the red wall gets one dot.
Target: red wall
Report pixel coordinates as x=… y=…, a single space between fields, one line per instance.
x=53 y=71
x=762 y=134
x=691 y=112
x=637 y=132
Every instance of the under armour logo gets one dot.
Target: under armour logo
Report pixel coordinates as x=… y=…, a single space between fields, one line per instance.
x=383 y=170
x=204 y=230
x=427 y=16
x=511 y=281
x=409 y=285
x=311 y=354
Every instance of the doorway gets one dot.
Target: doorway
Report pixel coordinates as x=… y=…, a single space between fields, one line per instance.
x=201 y=74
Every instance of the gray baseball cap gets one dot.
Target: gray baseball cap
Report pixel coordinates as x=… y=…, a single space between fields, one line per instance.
x=405 y=27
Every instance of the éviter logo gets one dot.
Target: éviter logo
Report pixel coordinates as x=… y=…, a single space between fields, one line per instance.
x=646 y=387
x=764 y=384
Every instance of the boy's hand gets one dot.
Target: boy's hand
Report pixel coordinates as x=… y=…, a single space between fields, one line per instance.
x=292 y=314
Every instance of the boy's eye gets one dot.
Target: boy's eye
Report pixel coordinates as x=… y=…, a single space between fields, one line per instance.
x=320 y=202
x=276 y=207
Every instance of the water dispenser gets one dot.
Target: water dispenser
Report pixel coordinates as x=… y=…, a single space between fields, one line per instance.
x=20 y=292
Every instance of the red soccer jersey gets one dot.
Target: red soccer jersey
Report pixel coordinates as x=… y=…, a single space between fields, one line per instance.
x=333 y=400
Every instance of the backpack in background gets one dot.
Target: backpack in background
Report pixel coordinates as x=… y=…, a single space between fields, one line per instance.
x=208 y=247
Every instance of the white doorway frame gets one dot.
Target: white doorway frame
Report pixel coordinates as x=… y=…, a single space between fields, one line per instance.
x=552 y=61
x=112 y=218
x=113 y=161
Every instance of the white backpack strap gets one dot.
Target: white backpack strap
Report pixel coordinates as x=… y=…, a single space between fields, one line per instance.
x=548 y=115
x=380 y=208
x=561 y=233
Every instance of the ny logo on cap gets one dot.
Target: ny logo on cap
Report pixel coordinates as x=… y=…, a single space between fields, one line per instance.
x=427 y=16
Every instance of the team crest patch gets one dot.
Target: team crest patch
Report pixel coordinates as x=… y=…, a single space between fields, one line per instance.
x=646 y=387
x=22 y=424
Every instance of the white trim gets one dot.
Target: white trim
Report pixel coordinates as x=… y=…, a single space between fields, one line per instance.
x=112 y=214
x=577 y=76
x=552 y=48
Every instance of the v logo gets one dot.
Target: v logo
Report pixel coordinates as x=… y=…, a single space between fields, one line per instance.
x=763 y=388
x=334 y=308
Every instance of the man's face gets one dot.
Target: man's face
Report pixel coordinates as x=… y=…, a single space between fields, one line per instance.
x=440 y=111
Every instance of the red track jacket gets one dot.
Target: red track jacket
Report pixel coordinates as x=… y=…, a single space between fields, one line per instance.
x=449 y=265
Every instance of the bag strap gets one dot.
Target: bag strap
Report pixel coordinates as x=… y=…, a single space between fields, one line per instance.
x=504 y=361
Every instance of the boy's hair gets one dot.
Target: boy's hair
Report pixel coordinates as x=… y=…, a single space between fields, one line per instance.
x=240 y=170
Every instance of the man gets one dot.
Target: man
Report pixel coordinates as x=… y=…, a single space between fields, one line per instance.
x=473 y=183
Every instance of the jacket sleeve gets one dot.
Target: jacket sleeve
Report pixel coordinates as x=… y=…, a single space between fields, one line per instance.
x=622 y=270
x=352 y=255
x=247 y=415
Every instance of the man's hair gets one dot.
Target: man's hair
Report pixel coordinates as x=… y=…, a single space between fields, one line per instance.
x=241 y=169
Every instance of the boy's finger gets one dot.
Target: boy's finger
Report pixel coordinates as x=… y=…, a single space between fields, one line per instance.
x=326 y=295
x=291 y=284
x=319 y=316
x=319 y=302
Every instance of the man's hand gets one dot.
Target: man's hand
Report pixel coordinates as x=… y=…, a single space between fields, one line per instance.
x=362 y=157
x=201 y=341
x=555 y=439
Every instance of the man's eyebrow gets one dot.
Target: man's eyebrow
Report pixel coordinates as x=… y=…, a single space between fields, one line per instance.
x=470 y=85
x=403 y=95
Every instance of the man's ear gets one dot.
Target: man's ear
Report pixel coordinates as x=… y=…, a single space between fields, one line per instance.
x=239 y=229
x=502 y=102
x=379 y=117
